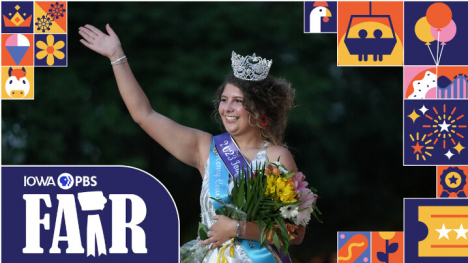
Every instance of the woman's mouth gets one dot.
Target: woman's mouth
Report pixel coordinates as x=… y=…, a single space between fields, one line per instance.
x=231 y=119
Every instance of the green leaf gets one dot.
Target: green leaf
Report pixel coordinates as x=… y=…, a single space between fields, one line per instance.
x=251 y=208
x=281 y=226
x=202 y=230
x=316 y=208
x=315 y=215
x=266 y=228
x=288 y=175
x=261 y=232
x=285 y=247
x=257 y=205
x=276 y=240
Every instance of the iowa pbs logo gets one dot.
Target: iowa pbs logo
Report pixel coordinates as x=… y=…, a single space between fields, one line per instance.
x=64 y=181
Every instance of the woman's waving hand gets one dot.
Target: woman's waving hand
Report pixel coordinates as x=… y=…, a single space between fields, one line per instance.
x=106 y=45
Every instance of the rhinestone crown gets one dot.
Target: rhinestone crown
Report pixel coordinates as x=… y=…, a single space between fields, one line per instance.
x=250 y=67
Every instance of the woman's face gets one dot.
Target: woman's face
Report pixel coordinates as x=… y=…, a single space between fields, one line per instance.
x=235 y=117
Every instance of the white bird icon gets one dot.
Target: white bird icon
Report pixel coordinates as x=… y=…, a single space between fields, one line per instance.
x=320 y=10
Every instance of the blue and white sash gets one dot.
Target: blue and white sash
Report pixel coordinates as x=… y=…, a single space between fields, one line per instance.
x=225 y=157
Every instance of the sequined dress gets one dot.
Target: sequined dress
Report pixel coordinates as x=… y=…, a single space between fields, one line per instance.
x=208 y=211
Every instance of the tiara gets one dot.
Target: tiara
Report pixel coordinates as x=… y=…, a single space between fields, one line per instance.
x=250 y=67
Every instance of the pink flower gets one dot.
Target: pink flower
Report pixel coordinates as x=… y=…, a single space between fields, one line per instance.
x=306 y=198
x=299 y=182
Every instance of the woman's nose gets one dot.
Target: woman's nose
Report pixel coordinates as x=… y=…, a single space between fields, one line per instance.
x=229 y=106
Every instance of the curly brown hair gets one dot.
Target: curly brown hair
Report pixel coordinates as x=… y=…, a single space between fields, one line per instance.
x=273 y=97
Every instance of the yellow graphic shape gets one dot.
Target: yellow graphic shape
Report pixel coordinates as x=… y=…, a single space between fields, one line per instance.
x=54 y=28
x=17 y=94
x=459 y=147
x=414 y=115
x=344 y=58
x=454 y=175
x=387 y=235
x=350 y=253
x=434 y=217
x=17 y=19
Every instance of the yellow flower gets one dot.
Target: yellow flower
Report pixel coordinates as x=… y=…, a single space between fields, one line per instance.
x=50 y=50
x=285 y=190
x=271 y=185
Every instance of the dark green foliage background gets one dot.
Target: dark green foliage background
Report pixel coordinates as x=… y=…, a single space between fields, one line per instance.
x=345 y=133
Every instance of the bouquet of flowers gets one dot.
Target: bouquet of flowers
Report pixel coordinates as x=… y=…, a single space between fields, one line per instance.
x=278 y=200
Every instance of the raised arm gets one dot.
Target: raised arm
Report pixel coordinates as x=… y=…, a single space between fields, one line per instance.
x=189 y=145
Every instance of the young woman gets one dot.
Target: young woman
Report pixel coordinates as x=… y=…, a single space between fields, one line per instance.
x=253 y=108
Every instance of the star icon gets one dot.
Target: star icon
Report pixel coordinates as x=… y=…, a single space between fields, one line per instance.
x=414 y=115
x=461 y=232
x=453 y=179
x=459 y=147
x=423 y=109
x=444 y=126
x=443 y=232
x=417 y=148
x=449 y=154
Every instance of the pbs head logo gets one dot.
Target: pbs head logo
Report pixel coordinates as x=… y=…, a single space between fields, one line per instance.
x=65 y=181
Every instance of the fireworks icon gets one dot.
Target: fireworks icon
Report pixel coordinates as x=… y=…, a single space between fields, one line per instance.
x=445 y=128
x=421 y=149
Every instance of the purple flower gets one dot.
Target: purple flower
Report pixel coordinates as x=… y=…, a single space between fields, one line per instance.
x=299 y=182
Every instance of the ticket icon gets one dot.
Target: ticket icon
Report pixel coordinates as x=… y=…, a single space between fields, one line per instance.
x=436 y=230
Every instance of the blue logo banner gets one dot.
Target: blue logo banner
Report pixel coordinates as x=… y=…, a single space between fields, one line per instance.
x=86 y=214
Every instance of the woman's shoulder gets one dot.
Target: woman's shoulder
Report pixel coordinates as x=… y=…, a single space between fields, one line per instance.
x=275 y=152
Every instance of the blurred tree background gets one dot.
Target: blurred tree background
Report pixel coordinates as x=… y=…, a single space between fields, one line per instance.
x=345 y=133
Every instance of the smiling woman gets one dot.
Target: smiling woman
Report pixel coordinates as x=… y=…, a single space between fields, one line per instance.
x=253 y=108
x=267 y=103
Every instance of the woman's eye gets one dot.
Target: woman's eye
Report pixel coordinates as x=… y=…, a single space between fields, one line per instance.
x=223 y=100
x=239 y=101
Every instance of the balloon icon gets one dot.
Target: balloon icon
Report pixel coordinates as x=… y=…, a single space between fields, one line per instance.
x=439 y=15
x=446 y=34
x=17 y=45
x=423 y=31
